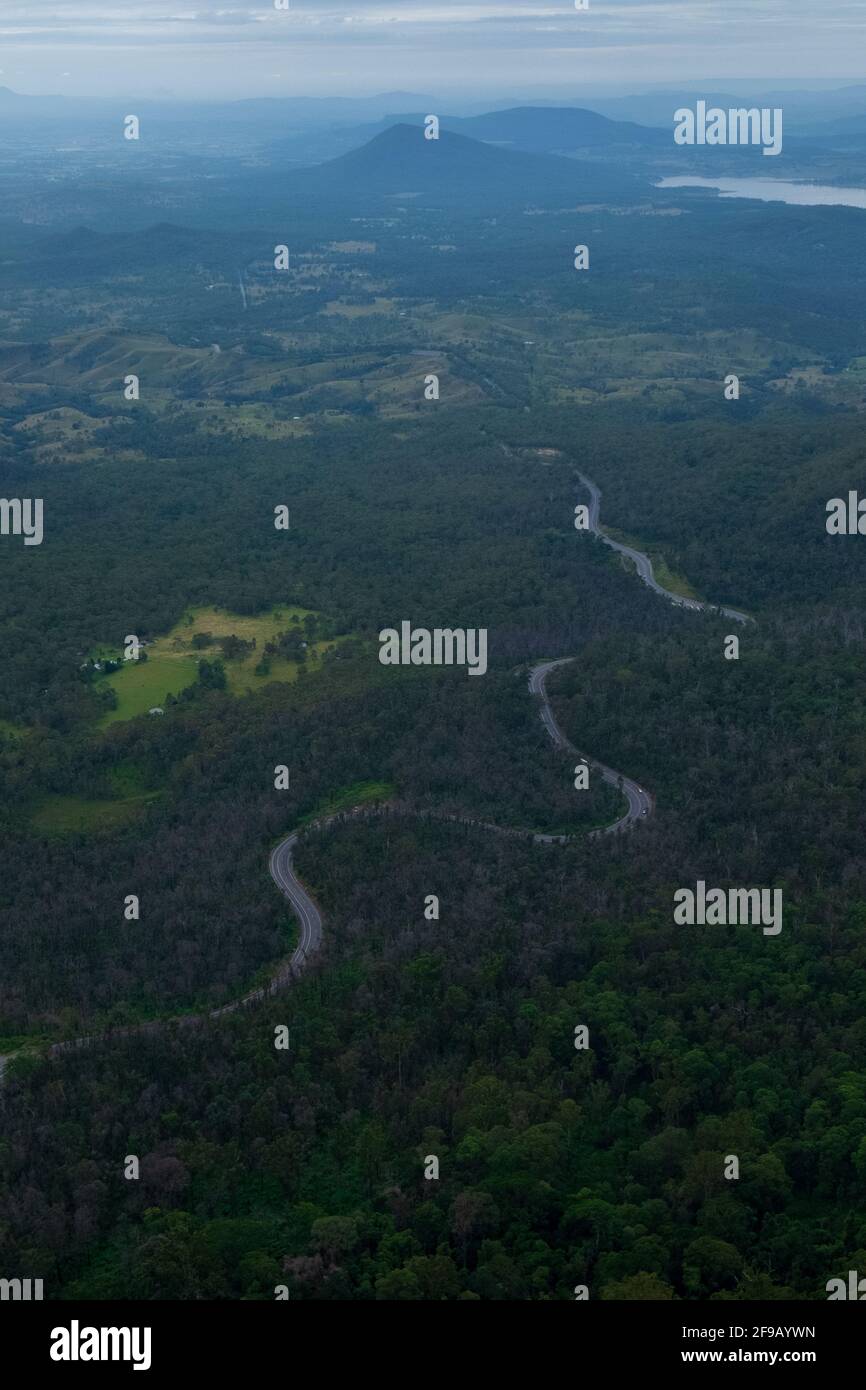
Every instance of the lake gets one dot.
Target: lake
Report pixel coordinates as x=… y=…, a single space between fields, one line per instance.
x=776 y=191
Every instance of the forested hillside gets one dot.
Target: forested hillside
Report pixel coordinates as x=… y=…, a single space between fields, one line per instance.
x=414 y=1037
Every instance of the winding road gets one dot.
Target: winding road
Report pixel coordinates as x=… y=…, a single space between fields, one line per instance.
x=640 y=802
x=643 y=564
x=282 y=868
x=281 y=864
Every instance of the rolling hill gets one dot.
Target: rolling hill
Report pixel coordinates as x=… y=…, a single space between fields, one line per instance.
x=401 y=161
x=554 y=129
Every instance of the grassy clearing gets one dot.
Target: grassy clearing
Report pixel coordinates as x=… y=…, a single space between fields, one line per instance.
x=256 y=419
x=172 y=660
x=358 y=311
x=356 y=795
x=126 y=798
x=11 y=1042
x=141 y=686
x=353 y=248
x=77 y=815
x=668 y=578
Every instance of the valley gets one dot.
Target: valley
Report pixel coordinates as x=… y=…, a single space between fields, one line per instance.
x=430 y=886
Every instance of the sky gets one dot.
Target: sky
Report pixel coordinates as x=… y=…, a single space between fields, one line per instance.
x=229 y=49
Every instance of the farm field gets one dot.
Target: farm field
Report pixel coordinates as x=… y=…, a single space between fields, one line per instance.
x=172 y=660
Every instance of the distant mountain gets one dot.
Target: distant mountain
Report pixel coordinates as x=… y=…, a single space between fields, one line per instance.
x=23 y=104
x=258 y=115
x=847 y=126
x=7 y=94
x=554 y=129
x=317 y=110
x=401 y=160
x=563 y=130
x=804 y=110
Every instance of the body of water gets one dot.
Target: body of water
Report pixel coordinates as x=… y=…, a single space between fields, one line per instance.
x=776 y=191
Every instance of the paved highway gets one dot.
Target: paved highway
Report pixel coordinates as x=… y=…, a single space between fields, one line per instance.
x=309 y=916
x=643 y=564
x=640 y=805
x=283 y=874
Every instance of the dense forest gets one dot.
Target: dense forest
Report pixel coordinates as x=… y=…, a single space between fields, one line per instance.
x=411 y=1038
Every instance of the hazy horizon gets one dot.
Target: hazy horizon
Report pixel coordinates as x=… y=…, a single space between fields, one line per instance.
x=247 y=48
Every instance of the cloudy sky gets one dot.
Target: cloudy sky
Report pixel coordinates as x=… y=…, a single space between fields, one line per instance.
x=236 y=48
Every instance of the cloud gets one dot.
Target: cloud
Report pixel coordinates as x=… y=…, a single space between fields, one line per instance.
x=390 y=42
x=108 y=20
